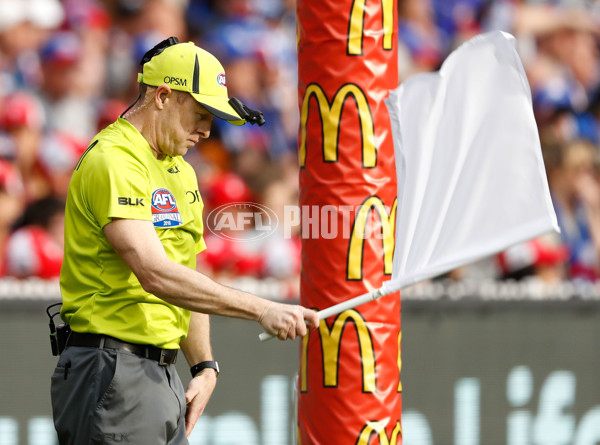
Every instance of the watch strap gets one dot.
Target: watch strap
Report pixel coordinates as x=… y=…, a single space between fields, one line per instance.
x=204 y=365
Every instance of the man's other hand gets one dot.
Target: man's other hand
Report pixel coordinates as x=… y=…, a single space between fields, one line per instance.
x=198 y=392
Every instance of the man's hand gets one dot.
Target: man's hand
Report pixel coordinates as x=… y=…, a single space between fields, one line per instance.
x=198 y=392
x=287 y=321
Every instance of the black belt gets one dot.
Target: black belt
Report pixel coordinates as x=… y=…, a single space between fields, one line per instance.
x=164 y=357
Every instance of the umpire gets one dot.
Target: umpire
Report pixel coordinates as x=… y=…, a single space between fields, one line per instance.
x=131 y=294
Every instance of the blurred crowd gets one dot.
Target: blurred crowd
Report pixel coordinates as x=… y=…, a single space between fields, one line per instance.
x=68 y=68
x=559 y=43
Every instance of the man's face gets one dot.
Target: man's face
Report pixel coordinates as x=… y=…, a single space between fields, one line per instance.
x=182 y=124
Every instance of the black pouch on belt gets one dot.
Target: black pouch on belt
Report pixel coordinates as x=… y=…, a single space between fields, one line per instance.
x=58 y=334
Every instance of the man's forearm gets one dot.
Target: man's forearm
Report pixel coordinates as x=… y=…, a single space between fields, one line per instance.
x=192 y=290
x=196 y=346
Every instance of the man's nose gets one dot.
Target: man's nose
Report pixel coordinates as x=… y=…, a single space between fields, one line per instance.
x=204 y=129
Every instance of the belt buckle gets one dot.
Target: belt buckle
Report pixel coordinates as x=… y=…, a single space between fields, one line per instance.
x=163 y=356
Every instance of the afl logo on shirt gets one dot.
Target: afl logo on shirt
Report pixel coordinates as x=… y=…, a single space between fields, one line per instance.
x=221 y=80
x=164 y=209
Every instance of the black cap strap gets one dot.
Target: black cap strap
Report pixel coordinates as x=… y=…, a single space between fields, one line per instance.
x=158 y=48
x=248 y=114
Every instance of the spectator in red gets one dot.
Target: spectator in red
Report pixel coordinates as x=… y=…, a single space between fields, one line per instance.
x=11 y=202
x=228 y=254
x=35 y=248
x=22 y=118
x=543 y=258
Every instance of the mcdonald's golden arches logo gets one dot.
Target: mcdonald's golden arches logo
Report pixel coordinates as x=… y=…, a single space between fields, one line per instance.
x=330 y=114
x=331 y=341
x=356 y=26
x=356 y=244
x=377 y=428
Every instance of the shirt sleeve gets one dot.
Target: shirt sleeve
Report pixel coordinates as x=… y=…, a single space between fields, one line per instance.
x=118 y=186
x=200 y=245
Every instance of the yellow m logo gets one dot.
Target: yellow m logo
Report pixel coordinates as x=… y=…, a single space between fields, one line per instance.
x=377 y=428
x=359 y=234
x=356 y=25
x=331 y=116
x=331 y=340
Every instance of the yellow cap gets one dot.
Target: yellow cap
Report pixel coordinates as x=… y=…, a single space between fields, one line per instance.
x=185 y=67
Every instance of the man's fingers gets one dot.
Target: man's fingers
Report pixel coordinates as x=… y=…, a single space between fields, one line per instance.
x=301 y=329
x=199 y=390
x=189 y=426
x=301 y=324
x=292 y=332
x=311 y=318
x=281 y=334
x=190 y=421
x=193 y=412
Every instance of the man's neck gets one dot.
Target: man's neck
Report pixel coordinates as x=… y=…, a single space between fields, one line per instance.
x=147 y=128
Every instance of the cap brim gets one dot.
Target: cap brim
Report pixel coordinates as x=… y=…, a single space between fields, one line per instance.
x=219 y=107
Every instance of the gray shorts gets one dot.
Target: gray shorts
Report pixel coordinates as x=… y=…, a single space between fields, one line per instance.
x=107 y=397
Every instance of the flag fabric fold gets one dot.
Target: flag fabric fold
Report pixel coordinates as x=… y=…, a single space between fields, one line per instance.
x=471 y=179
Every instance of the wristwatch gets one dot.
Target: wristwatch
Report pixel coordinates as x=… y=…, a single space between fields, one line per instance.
x=203 y=365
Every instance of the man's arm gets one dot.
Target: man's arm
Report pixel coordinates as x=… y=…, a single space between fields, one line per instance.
x=196 y=347
x=139 y=246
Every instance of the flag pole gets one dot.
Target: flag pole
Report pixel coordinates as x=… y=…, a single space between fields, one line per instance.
x=349 y=304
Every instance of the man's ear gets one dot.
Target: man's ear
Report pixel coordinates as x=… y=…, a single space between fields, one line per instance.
x=161 y=96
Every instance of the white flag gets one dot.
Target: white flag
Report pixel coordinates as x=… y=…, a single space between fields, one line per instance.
x=471 y=178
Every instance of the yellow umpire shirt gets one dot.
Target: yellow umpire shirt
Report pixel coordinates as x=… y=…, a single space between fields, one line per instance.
x=119 y=177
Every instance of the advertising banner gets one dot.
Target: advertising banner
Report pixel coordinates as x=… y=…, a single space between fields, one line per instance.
x=512 y=372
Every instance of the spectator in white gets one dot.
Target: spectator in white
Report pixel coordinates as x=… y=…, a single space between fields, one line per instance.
x=68 y=108
x=24 y=26
x=573 y=178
